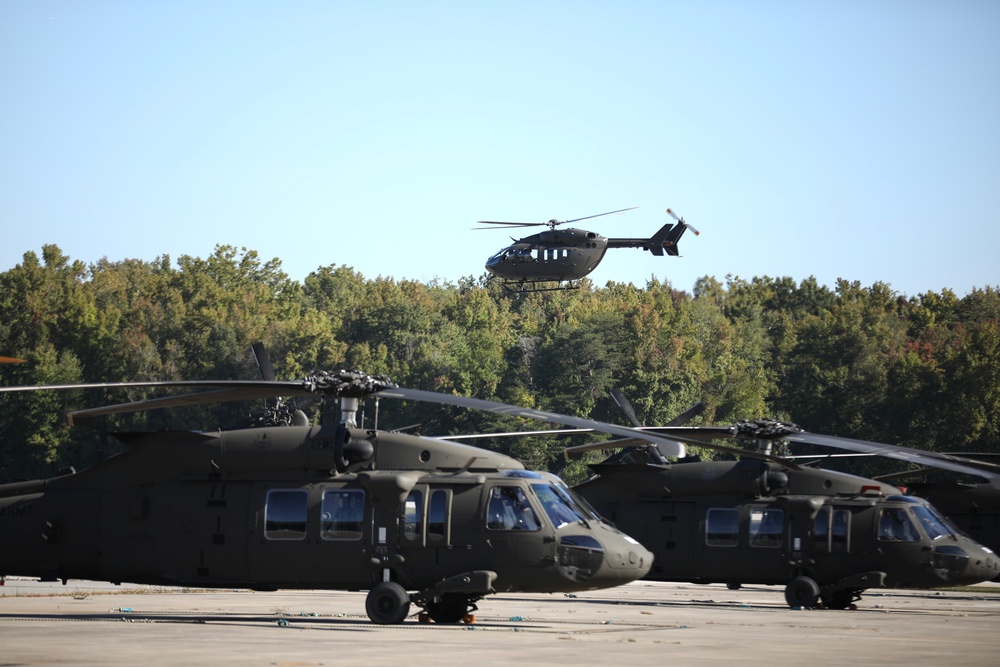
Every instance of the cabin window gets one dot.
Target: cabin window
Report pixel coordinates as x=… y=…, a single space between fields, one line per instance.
x=831 y=535
x=285 y=514
x=766 y=527
x=343 y=514
x=413 y=515
x=509 y=509
x=841 y=529
x=437 y=515
x=722 y=527
x=821 y=529
x=894 y=525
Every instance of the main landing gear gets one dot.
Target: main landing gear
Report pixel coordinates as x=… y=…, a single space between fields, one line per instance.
x=449 y=601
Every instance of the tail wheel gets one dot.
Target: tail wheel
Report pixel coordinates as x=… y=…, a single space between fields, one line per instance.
x=802 y=592
x=449 y=608
x=388 y=603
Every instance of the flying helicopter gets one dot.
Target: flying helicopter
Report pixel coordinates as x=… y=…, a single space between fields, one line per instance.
x=289 y=504
x=826 y=536
x=567 y=255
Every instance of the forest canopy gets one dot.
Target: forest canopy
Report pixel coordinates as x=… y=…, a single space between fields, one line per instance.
x=857 y=361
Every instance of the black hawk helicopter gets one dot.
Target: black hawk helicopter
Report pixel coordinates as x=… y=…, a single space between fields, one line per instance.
x=826 y=536
x=568 y=255
x=290 y=504
x=973 y=506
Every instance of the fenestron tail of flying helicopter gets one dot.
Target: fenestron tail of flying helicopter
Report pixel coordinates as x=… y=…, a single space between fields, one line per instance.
x=289 y=504
x=559 y=258
x=826 y=536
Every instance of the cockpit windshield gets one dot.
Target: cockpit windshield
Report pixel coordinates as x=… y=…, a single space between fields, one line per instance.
x=930 y=522
x=560 y=510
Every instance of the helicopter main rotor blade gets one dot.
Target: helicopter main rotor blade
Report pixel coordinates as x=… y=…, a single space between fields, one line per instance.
x=776 y=431
x=671 y=447
x=263 y=361
x=621 y=210
x=503 y=225
x=988 y=471
x=577 y=451
x=84 y=417
x=551 y=223
x=626 y=406
x=341 y=383
x=687 y=415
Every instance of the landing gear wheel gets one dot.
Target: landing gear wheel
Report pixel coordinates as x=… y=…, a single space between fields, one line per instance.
x=450 y=608
x=841 y=599
x=734 y=586
x=802 y=592
x=388 y=603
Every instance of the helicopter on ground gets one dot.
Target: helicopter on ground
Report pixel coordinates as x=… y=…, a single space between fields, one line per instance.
x=568 y=255
x=289 y=504
x=973 y=506
x=826 y=536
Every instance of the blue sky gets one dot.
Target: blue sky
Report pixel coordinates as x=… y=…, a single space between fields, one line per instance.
x=849 y=139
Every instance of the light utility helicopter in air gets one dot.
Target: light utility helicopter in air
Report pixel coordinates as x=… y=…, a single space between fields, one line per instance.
x=826 y=536
x=289 y=504
x=565 y=256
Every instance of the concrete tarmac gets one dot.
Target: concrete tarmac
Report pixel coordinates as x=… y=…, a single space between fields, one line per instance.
x=643 y=623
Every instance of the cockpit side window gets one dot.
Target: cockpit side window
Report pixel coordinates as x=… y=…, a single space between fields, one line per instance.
x=438 y=508
x=722 y=526
x=413 y=515
x=895 y=526
x=285 y=513
x=342 y=515
x=510 y=509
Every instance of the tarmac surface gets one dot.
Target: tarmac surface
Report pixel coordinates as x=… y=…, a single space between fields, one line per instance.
x=643 y=623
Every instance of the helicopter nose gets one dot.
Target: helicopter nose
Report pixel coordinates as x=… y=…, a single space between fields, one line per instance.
x=627 y=560
x=969 y=563
x=612 y=560
x=984 y=565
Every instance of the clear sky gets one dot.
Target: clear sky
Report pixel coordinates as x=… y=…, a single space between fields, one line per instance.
x=852 y=139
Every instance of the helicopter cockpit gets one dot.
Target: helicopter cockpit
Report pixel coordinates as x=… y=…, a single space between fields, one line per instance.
x=899 y=523
x=511 y=509
x=511 y=254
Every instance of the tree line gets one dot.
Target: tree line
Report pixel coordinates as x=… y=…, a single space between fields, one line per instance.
x=857 y=361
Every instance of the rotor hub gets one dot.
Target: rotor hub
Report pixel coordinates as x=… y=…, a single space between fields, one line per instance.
x=765 y=429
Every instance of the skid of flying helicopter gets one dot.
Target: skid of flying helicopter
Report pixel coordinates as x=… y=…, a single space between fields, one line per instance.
x=567 y=255
x=411 y=519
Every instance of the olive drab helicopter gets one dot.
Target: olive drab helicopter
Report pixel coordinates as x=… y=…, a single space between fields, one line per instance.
x=565 y=256
x=973 y=506
x=290 y=504
x=826 y=536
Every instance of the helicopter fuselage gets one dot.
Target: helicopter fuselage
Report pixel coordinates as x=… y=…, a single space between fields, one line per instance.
x=560 y=255
x=822 y=534
x=313 y=507
x=551 y=256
